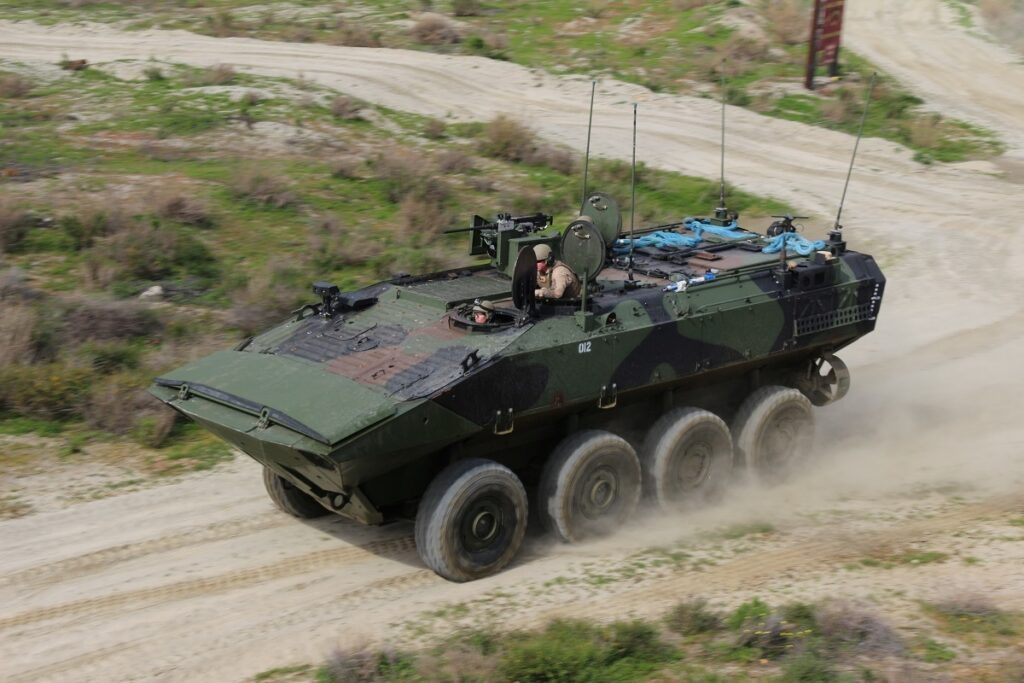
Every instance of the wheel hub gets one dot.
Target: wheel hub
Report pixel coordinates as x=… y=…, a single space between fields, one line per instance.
x=600 y=492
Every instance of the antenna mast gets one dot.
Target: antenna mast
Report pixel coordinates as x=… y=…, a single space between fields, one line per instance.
x=721 y=195
x=586 y=158
x=632 y=198
x=863 y=119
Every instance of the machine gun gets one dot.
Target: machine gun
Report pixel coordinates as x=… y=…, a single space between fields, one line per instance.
x=501 y=239
x=523 y=224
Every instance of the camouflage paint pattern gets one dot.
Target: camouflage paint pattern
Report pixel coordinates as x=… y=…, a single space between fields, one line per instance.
x=362 y=408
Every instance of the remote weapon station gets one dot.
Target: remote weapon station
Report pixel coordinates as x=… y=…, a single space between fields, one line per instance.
x=692 y=351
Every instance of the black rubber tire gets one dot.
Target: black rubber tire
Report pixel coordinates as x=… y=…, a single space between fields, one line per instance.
x=589 y=486
x=464 y=494
x=290 y=499
x=686 y=458
x=773 y=432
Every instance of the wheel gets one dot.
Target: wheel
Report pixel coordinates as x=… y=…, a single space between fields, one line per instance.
x=589 y=486
x=773 y=431
x=290 y=499
x=471 y=520
x=686 y=457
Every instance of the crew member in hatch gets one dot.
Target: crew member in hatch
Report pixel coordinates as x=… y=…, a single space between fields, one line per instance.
x=483 y=312
x=555 y=280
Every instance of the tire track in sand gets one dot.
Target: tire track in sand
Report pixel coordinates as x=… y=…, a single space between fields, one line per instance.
x=100 y=559
x=183 y=590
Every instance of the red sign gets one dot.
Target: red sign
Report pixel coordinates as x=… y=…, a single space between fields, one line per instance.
x=830 y=28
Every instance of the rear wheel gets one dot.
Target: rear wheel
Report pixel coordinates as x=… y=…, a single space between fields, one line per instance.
x=291 y=499
x=590 y=486
x=773 y=431
x=687 y=457
x=471 y=520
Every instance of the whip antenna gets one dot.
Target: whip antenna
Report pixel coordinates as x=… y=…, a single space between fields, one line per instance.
x=632 y=198
x=860 y=133
x=586 y=157
x=721 y=195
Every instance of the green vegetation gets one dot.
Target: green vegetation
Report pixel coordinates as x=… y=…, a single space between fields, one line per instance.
x=685 y=46
x=795 y=643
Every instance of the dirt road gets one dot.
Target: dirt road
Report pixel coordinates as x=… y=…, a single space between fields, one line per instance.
x=202 y=580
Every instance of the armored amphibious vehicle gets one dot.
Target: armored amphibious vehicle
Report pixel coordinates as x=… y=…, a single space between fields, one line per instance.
x=691 y=352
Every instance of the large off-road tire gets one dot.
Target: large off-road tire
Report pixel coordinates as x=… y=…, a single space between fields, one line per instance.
x=773 y=432
x=589 y=486
x=471 y=520
x=686 y=458
x=290 y=499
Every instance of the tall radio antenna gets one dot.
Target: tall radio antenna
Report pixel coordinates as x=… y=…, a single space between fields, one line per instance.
x=860 y=133
x=586 y=157
x=721 y=195
x=632 y=197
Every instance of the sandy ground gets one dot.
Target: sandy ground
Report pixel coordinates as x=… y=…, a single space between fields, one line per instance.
x=202 y=580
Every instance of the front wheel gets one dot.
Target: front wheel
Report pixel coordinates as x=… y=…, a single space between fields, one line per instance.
x=590 y=486
x=471 y=520
x=288 y=498
x=773 y=432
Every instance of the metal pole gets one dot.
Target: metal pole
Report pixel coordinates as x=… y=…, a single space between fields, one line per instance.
x=632 y=199
x=721 y=195
x=586 y=157
x=860 y=133
x=812 y=47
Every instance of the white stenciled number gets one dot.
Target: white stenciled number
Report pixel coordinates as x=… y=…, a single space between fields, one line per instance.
x=584 y=347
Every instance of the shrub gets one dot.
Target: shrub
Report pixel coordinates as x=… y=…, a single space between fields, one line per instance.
x=692 y=617
x=435 y=29
x=331 y=246
x=505 y=138
x=354 y=36
x=845 y=627
x=17 y=331
x=154 y=74
x=178 y=207
x=423 y=216
x=407 y=173
x=153 y=429
x=100 y=320
x=14 y=225
x=261 y=186
x=434 y=129
x=266 y=298
x=116 y=402
x=466 y=8
x=218 y=74
x=577 y=651
x=92 y=223
x=345 y=108
x=366 y=666
x=14 y=86
x=48 y=391
x=347 y=167
x=808 y=667
x=453 y=162
x=14 y=286
x=786 y=19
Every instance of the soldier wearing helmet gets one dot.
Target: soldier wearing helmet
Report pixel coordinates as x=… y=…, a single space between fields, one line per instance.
x=555 y=280
x=483 y=312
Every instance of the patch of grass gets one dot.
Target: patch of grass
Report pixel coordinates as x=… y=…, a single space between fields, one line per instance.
x=743 y=530
x=575 y=650
x=190 y=449
x=974 y=614
x=692 y=617
x=12 y=507
x=934 y=652
x=17 y=426
x=286 y=673
x=922 y=557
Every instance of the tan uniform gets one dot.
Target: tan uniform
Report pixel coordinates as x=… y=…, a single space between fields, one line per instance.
x=558 y=283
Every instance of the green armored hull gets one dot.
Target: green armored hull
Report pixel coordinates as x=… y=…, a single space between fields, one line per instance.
x=678 y=366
